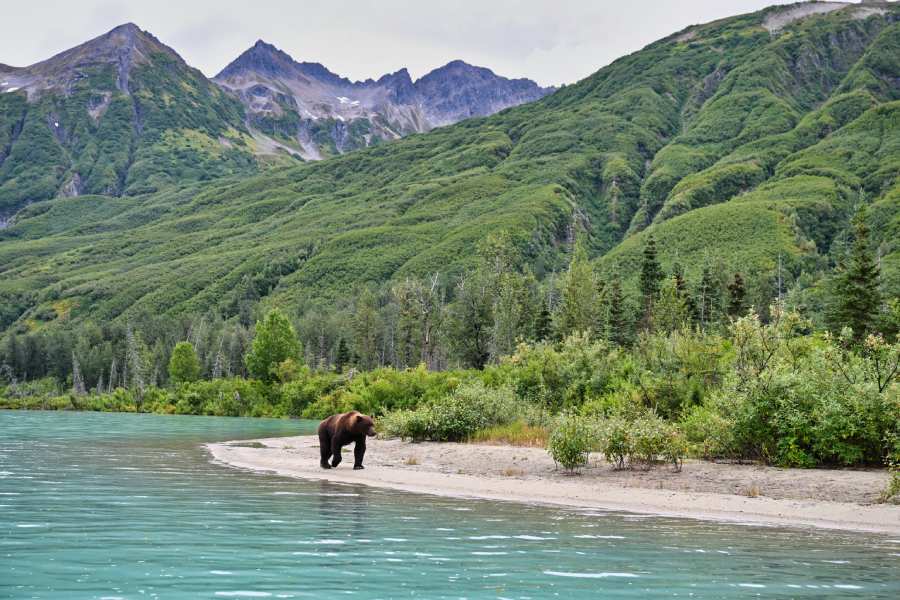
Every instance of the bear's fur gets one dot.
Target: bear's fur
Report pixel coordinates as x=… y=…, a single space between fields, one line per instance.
x=337 y=431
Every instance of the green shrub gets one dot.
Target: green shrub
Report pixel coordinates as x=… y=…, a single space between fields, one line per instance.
x=708 y=432
x=570 y=442
x=406 y=424
x=650 y=440
x=470 y=408
x=617 y=441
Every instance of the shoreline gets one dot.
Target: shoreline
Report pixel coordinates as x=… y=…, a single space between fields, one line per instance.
x=479 y=471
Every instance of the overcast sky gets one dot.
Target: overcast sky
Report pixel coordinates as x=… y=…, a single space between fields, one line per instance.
x=550 y=41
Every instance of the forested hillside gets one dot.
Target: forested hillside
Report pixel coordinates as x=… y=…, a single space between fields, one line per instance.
x=742 y=146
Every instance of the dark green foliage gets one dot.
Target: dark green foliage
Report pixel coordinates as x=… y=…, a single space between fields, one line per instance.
x=342 y=359
x=737 y=296
x=855 y=294
x=651 y=276
x=618 y=329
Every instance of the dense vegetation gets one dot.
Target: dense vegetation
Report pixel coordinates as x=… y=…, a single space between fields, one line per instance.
x=600 y=266
x=697 y=373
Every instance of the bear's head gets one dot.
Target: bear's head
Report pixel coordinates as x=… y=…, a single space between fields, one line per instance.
x=361 y=423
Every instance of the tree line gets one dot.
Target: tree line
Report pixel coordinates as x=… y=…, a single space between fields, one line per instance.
x=468 y=322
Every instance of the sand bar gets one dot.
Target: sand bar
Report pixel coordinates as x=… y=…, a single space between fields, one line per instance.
x=834 y=499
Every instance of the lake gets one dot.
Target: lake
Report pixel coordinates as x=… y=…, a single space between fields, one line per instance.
x=121 y=506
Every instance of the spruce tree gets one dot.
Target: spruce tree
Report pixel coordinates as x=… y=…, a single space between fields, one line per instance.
x=342 y=356
x=856 y=299
x=737 y=294
x=617 y=327
x=543 y=323
x=651 y=277
x=684 y=293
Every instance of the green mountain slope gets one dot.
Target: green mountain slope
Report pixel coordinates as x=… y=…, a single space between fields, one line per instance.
x=119 y=115
x=732 y=142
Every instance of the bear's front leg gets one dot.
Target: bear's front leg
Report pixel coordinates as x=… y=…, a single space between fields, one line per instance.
x=324 y=449
x=359 y=450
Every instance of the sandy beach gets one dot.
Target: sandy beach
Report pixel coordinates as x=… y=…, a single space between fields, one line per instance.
x=835 y=499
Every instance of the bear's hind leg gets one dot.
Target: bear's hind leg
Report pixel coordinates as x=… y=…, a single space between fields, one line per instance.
x=335 y=451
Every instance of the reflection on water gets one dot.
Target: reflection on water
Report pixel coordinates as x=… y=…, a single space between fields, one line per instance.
x=128 y=506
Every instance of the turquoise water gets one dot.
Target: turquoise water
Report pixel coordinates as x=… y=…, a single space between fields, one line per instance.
x=129 y=506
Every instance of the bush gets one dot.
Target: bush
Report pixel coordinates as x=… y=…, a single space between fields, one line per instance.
x=650 y=440
x=571 y=442
x=470 y=408
x=709 y=433
x=406 y=424
x=617 y=442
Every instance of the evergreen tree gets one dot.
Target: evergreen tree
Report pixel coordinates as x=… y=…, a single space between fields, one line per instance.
x=275 y=342
x=184 y=366
x=543 y=325
x=342 y=356
x=651 y=277
x=618 y=330
x=855 y=297
x=684 y=293
x=737 y=294
x=670 y=311
x=577 y=311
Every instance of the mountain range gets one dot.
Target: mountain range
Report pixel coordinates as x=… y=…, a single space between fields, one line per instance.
x=746 y=143
x=314 y=112
x=123 y=114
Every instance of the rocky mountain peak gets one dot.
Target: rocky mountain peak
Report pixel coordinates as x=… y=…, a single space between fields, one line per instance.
x=261 y=57
x=123 y=46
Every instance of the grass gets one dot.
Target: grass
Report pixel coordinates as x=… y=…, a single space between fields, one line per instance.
x=514 y=434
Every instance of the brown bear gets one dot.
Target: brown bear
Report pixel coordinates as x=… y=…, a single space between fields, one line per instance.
x=337 y=431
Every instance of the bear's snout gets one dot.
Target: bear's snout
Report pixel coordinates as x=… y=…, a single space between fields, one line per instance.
x=371 y=432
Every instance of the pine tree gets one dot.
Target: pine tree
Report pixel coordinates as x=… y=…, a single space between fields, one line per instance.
x=543 y=325
x=737 y=294
x=856 y=299
x=618 y=329
x=342 y=357
x=651 y=277
x=684 y=293
x=670 y=311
